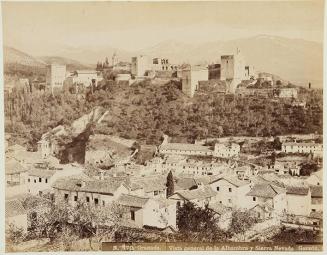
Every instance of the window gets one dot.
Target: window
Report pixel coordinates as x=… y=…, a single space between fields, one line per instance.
x=46 y=180
x=313 y=210
x=254 y=198
x=155 y=192
x=315 y=223
x=178 y=203
x=230 y=189
x=28 y=180
x=40 y=179
x=34 y=180
x=87 y=199
x=40 y=193
x=229 y=201
x=132 y=215
x=66 y=196
x=96 y=201
x=103 y=203
x=217 y=188
x=75 y=198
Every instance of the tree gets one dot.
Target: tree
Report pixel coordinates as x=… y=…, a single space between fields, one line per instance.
x=170 y=184
x=241 y=222
x=273 y=158
x=308 y=167
x=199 y=224
x=277 y=143
x=14 y=234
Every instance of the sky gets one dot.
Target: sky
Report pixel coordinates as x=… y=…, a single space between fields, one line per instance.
x=41 y=28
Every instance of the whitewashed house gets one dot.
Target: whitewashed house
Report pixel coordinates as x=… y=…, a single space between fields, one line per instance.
x=267 y=200
x=231 y=191
x=298 y=200
x=202 y=196
x=316 y=198
x=184 y=149
x=303 y=148
x=226 y=150
x=16 y=177
x=144 y=211
x=41 y=177
x=88 y=190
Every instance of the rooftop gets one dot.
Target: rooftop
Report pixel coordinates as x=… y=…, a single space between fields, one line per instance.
x=265 y=190
x=184 y=147
x=233 y=179
x=14 y=208
x=12 y=166
x=132 y=201
x=150 y=183
x=316 y=191
x=88 y=185
x=202 y=192
x=301 y=144
x=41 y=172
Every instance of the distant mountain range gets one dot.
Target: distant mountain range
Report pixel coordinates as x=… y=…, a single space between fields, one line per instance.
x=14 y=56
x=295 y=60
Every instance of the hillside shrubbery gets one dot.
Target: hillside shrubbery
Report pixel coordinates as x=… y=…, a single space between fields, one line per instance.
x=145 y=111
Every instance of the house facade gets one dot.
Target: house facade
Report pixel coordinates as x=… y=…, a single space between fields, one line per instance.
x=184 y=149
x=226 y=150
x=306 y=148
x=298 y=200
x=202 y=196
x=141 y=211
x=231 y=191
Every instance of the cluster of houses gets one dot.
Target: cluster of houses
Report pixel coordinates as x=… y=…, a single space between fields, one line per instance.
x=208 y=176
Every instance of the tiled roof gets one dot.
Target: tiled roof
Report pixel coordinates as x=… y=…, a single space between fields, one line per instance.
x=151 y=183
x=300 y=190
x=14 y=208
x=316 y=191
x=184 y=147
x=265 y=190
x=185 y=183
x=199 y=193
x=207 y=179
x=132 y=201
x=41 y=172
x=301 y=144
x=88 y=185
x=233 y=179
x=12 y=166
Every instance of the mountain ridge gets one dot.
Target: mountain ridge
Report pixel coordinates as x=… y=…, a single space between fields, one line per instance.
x=296 y=60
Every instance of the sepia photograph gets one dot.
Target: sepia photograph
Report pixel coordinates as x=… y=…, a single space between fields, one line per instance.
x=163 y=126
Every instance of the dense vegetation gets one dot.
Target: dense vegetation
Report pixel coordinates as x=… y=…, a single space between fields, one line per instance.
x=146 y=110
